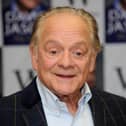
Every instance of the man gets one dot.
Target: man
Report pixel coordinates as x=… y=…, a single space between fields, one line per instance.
x=63 y=47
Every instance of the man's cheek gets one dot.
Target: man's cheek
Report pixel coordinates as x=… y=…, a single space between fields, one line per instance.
x=48 y=64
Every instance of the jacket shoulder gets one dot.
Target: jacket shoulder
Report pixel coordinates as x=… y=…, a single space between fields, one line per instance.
x=10 y=101
x=20 y=96
x=112 y=102
x=112 y=97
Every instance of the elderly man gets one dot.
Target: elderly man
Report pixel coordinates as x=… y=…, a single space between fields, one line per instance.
x=63 y=47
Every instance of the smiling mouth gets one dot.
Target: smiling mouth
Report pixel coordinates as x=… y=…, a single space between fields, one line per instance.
x=65 y=76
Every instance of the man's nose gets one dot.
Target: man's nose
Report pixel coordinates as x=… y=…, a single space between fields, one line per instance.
x=66 y=60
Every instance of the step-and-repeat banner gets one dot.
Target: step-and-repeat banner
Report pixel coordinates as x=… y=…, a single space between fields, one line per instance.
x=15 y=31
x=115 y=47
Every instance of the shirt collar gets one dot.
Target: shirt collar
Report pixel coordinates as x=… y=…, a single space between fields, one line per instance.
x=86 y=94
x=52 y=102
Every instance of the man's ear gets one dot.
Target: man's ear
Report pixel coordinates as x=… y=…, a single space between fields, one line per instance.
x=34 y=56
x=93 y=62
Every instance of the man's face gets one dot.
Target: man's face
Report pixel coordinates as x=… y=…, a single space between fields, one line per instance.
x=29 y=4
x=64 y=54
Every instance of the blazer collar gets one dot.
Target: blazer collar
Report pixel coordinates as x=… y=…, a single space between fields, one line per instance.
x=33 y=113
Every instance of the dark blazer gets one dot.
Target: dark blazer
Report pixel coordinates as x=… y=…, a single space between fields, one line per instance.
x=24 y=109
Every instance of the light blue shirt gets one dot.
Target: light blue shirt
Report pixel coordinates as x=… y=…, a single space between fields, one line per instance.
x=56 y=112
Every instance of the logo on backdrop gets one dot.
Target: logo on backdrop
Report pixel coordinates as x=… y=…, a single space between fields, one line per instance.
x=121 y=77
x=19 y=77
x=72 y=1
x=17 y=23
x=116 y=21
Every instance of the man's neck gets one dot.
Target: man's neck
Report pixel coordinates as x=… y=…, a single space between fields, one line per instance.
x=71 y=101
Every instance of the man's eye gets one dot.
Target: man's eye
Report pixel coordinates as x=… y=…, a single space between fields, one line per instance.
x=53 y=52
x=78 y=53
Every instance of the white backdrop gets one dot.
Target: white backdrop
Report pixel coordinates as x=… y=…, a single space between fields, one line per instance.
x=17 y=65
x=115 y=68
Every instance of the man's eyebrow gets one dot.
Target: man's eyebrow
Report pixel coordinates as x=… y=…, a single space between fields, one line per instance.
x=51 y=41
x=84 y=43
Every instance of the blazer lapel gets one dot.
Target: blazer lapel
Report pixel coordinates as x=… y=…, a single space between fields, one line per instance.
x=34 y=116
x=97 y=108
x=33 y=113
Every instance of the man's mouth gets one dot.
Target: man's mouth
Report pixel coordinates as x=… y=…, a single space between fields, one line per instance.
x=65 y=76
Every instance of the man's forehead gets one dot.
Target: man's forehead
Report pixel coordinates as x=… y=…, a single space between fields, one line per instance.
x=66 y=27
x=64 y=17
x=65 y=22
